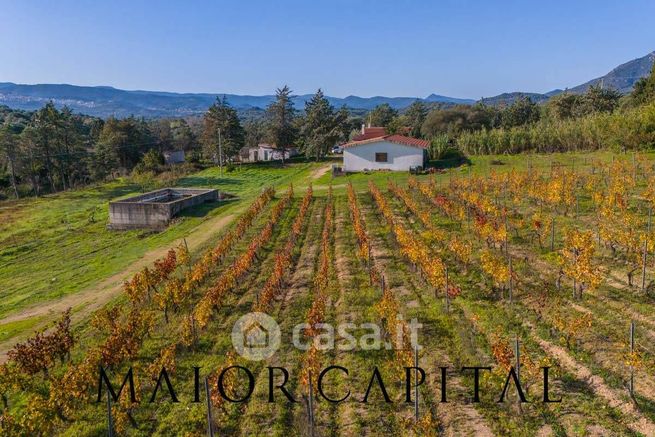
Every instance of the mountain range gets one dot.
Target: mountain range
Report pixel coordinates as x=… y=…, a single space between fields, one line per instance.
x=104 y=101
x=621 y=78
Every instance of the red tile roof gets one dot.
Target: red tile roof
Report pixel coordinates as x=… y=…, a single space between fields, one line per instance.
x=398 y=139
x=370 y=132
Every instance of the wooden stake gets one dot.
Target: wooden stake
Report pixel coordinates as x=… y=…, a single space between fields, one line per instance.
x=447 y=294
x=634 y=166
x=632 y=349
x=517 y=351
x=511 y=288
x=110 y=420
x=645 y=254
x=416 y=383
x=506 y=235
x=210 y=420
x=311 y=406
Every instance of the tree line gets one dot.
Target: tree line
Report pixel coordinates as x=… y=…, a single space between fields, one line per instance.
x=313 y=131
x=53 y=149
x=600 y=117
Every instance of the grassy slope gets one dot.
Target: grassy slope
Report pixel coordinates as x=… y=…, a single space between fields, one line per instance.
x=57 y=245
x=247 y=184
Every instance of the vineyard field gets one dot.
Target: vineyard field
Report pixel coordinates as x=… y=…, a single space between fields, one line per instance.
x=514 y=264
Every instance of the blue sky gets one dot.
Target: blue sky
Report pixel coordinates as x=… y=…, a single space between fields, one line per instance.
x=396 y=48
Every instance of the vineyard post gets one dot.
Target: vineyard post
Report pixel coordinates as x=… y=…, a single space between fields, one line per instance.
x=634 y=166
x=186 y=247
x=517 y=354
x=311 y=406
x=506 y=233
x=518 y=357
x=511 y=288
x=468 y=216
x=598 y=232
x=193 y=330
x=645 y=254
x=110 y=420
x=416 y=383
x=368 y=259
x=632 y=350
x=447 y=293
x=210 y=420
x=574 y=281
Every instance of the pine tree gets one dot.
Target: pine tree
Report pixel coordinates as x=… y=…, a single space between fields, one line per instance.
x=415 y=115
x=8 y=148
x=321 y=128
x=280 y=115
x=221 y=127
x=382 y=115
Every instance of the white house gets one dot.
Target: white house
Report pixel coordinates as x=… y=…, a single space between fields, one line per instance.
x=268 y=152
x=387 y=152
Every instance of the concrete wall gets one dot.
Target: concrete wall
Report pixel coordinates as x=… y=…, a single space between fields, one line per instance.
x=143 y=211
x=399 y=157
x=138 y=215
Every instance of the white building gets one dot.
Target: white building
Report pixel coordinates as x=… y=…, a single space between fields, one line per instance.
x=387 y=152
x=268 y=152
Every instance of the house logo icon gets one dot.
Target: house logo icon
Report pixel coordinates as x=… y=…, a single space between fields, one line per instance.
x=256 y=336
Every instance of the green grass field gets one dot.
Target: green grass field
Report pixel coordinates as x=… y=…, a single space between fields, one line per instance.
x=58 y=245
x=464 y=335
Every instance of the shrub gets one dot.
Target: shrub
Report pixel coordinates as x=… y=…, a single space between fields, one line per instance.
x=631 y=129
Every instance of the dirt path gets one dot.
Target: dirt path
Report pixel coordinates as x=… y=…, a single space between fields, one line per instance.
x=353 y=418
x=640 y=423
x=635 y=419
x=99 y=294
x=320 y=172
x=605 y=355
x=290 y=307
x=457 y=419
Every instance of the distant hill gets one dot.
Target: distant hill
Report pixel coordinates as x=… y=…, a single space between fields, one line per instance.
x=622 y=78
x=509 y=98
x=103 y=101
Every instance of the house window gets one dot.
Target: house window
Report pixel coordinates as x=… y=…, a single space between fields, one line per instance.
x=380 y=157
